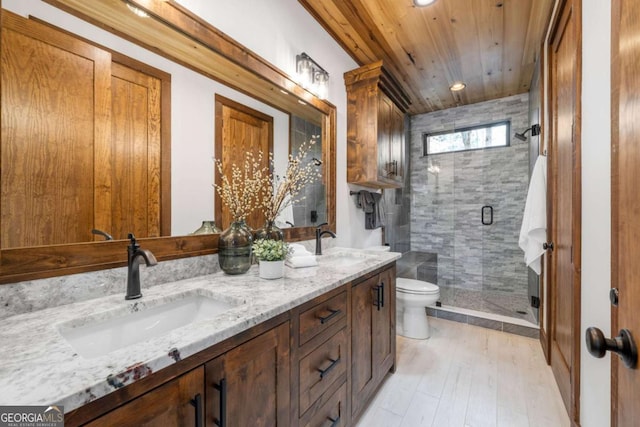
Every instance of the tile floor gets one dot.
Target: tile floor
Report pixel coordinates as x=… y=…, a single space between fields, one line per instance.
x=466 y=375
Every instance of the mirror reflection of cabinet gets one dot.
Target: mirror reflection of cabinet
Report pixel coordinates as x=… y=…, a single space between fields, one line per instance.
x=375 y=128
x=75 y=125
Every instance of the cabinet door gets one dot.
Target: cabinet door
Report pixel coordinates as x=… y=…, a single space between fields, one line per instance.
x=362 y=370
x=383 y=319
x=372 y=336
x=176 y=403
x=249 y=385
x=385 y=117
x=397 y=145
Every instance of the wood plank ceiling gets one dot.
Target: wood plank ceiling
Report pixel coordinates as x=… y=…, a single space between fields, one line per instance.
x=490 y=45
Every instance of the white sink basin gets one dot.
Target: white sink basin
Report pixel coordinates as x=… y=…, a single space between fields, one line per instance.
x=344 y=258
x=100 y=336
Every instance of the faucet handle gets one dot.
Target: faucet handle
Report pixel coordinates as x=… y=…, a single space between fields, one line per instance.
x=134 y=244
x=319 y=226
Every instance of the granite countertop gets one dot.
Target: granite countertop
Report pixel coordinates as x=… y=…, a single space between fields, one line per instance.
x=39 y=367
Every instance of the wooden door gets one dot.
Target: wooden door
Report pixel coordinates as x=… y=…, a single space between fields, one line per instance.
x=251 y=382
x=55 y=130
x=171 y=404
x=625 y=222
x=564 y=227
x=135 y=155
x=240 y=130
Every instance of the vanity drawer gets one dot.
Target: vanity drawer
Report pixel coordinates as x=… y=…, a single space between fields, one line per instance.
x=332 y=413
x=321 y=368
x=321 y=316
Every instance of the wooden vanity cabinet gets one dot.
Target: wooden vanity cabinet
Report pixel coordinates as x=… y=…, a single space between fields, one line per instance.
x=178 y=402
x=249 y=385
x=317 y=365
x=375 y=128
x=372 y=335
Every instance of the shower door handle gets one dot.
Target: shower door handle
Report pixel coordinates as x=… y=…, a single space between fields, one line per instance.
x=484 y=215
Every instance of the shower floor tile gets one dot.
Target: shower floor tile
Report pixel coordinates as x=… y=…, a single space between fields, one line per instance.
x=467 y=375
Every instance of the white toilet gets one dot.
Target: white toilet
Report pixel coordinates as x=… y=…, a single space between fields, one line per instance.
x=412 y=296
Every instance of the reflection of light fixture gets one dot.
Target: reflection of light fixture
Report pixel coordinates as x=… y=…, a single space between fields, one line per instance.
x=311 y=75
x=421 y=3
x=535 y=131
x=457 y=86
x=137 y=11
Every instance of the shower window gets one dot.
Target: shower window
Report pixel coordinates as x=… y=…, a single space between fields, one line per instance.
x=470 y=138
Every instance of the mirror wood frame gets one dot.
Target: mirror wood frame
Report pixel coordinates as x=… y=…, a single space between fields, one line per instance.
x=181 y=36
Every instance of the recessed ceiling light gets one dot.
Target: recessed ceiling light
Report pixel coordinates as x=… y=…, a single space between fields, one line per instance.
x=457 y=86
x=421 y=3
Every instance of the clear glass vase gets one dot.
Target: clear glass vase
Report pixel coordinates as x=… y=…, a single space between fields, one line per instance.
x=269 y=231
x=207 y=227
x=234 y=248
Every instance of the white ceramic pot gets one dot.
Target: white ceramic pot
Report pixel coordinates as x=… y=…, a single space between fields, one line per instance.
x=271 y=269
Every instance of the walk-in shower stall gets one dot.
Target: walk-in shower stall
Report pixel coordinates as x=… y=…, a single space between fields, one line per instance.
x=467 y=206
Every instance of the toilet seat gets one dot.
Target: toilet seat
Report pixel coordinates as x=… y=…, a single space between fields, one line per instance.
x=416 y=287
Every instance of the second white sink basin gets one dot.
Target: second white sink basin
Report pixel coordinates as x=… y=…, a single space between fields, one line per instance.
x=99 y=337
x=343 y=258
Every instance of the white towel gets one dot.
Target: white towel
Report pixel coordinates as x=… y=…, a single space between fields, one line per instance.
x=298 y=250
x=301 y=261
x=533 y=232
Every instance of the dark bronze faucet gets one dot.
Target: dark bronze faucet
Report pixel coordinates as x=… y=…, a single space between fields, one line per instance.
x=319 y=234
x=133 y=267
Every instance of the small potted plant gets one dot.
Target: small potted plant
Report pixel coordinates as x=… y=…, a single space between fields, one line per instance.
x=271 y=255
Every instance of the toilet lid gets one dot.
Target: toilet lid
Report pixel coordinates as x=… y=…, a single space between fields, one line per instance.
x=411 y=286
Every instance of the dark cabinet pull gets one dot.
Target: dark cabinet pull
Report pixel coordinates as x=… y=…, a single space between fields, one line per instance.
x=197 y=403
x=484 y=222
x=333 y=314
x=334 y=422
x=325 y=372
x=222 y=388
x=376 y=300
x=379 y=301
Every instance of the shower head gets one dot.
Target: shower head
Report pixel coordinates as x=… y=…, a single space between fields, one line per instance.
x=535 y=131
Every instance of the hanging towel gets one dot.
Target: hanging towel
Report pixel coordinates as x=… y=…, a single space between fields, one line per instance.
x=365 y=201
x=375 y=219
x=533 y=232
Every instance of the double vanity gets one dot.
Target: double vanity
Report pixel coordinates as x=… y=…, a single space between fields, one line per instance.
x=309 y=349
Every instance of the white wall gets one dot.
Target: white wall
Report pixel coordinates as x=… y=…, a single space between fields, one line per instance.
x=595 y=383
x=276 y=30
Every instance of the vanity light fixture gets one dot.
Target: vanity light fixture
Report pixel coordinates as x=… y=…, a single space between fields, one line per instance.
x=137 y=11
x=457 y=86
x=422 y=3
x=312 y=76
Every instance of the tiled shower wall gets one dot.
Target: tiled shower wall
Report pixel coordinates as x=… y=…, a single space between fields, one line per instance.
x=449 y=190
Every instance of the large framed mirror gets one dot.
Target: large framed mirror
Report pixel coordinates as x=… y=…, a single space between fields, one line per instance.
x=173 y=209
